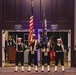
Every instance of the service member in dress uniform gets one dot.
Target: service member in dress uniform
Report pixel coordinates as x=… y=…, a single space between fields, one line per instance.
x=32 y=56
x=20 y=48
x=59 y=54
x=11 y=41
x=45 y=57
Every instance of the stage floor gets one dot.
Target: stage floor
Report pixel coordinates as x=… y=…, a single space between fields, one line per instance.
x=52 y=64
x=10 y=71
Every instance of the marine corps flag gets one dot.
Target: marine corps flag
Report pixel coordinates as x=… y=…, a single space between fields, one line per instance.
x=31 y=25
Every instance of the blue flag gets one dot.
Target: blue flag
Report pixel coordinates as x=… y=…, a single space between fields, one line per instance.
x=44 y=28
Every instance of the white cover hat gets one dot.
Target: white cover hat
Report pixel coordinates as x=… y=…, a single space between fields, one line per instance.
x=58 y=39
x=19 y=38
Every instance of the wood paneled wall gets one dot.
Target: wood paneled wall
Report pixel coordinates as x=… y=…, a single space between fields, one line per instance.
x=57 y=11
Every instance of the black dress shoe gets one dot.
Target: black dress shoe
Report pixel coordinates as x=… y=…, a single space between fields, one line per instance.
x=63 y=71
x=22 y=71
x=48 y=70
x=42 y=71
x=55 y=71
x=28 y=71
x=15 y=71
x=36 y=70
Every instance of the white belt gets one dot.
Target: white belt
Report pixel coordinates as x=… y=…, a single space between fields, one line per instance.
x=59 y=51
x=20 y=51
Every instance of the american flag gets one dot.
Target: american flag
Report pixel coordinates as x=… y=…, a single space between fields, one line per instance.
x=31 y=25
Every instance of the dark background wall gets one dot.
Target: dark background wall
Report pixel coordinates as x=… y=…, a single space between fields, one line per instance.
x=0 y=32
x=59 y=12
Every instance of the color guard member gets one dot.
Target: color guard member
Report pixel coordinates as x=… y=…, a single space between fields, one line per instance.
x=33 y=55
x=11 y=41
x=20 y=48
x=45 y=58
x=59 y=54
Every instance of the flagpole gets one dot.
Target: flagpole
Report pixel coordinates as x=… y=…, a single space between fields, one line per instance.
x=44 y=7
x=32 y=3
x=44 y=24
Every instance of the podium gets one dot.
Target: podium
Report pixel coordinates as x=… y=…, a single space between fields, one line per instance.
x=11 y=53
